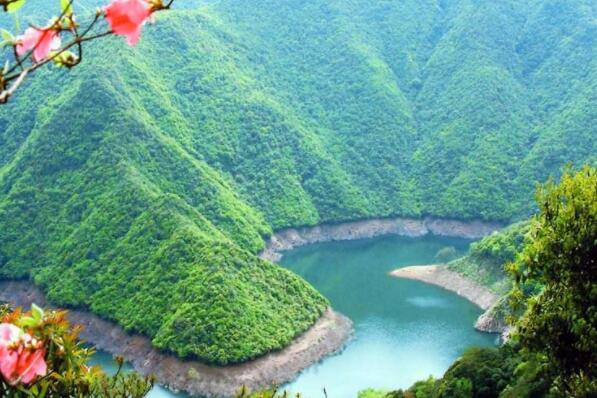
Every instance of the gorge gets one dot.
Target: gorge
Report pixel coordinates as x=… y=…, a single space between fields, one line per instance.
x=387 y=243
x=152 y=189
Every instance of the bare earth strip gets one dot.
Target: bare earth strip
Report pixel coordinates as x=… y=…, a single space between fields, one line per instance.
x=441 y=276
x=325 y=337
x=291 y=238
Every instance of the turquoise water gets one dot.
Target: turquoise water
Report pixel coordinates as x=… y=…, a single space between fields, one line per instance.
x=404 y=330
x=106 y=361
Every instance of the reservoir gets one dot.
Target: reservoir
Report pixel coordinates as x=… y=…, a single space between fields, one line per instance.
x=405 y=330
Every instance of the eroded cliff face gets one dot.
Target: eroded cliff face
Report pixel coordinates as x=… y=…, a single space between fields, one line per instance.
x=290 y=238
x=493 y=320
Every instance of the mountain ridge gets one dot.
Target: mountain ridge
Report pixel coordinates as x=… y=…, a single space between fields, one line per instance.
x=147 y=172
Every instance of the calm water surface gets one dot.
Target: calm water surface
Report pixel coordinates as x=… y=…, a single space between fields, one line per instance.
x=404 y=330
x=106 y=361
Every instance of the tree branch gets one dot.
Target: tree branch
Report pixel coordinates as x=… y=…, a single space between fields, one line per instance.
x=5 y=94
x=11 y=80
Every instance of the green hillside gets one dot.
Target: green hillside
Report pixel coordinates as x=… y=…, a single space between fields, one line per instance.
x=486 y=259
x=142 y=183
x=125 y=221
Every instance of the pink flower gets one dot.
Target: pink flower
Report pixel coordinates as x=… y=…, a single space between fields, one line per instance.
x=30 y=364
x=41 y=41
x=21 y=357
x=126 y=18
x=9 y=334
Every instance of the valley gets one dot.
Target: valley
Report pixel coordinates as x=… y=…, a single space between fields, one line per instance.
x=211 y=195
x=373 y=248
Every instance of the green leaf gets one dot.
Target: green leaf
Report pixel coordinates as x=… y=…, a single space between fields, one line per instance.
x=12 y=7
x=66 y=7
x=37 y=312
x=27 y=321
x=44 y=390
x=7 y=36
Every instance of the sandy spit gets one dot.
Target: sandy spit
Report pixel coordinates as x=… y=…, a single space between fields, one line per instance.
x=440 y=275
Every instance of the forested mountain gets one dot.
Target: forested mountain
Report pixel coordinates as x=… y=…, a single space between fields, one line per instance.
x=130 y=183
x=550 y=350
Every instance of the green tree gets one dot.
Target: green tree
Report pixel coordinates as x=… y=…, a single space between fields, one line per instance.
x=446 y=254
x=560 y=254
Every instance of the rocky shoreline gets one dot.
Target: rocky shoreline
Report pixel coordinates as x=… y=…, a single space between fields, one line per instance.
x=291 y=238
x=325 y=337
x=494 y=319
x=490 y=321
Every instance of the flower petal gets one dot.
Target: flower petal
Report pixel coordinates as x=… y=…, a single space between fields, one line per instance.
x=126 y=17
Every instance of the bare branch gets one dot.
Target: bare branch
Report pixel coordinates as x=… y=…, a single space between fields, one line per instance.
x=11 y=80
x=4 y=95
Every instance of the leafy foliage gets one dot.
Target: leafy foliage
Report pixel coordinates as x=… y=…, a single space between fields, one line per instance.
x=67 y=373
x=561 y=322
x=485 y=373
x=139 y=178
x=478 y=373
x=487 y=259
x=372 y=393
x=270 y=393
x=503 y=246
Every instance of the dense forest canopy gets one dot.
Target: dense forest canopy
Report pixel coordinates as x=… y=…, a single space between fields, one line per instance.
x=486 y=261
x=139 y=177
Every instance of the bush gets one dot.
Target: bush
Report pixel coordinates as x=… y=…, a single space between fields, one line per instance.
x=41 y=356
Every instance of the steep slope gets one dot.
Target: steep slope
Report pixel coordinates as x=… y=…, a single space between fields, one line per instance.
x=486 y=259
x=431 y=107
x=128 y=223
x=142 y=184
x=496 y=83
x=473 y=113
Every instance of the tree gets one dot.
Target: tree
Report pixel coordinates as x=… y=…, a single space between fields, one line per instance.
x=61 y=41
x=561 y=321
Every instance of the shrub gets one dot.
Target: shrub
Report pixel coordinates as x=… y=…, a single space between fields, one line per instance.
x=41 y=356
